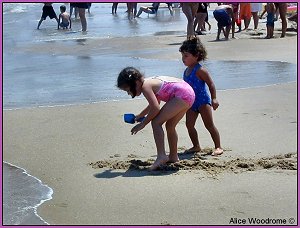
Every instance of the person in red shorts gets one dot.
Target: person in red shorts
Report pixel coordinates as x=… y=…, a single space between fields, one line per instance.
x=245 y=14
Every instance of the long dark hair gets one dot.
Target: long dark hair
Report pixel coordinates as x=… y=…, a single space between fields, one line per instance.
x=128 y=77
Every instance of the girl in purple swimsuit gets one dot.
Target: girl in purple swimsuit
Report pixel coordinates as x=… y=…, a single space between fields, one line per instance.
x=178 y=97
x=198 y=77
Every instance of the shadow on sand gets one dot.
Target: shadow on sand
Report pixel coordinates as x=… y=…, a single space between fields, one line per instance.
x=108 y=174
x=138 y=168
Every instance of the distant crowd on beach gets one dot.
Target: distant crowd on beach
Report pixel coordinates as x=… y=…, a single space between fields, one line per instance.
x=228 y=15
x=64 y=19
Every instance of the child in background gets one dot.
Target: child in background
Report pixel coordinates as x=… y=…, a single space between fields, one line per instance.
x=270 y=8
x=65 y=18
x=47 y=11
x=179 y=97
x=198 y=77
x=225 y=18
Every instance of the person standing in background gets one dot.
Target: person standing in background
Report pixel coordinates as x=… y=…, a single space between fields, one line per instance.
x=245 y=14
x=131 y=10
x=206 y=19
x=237 y=20
x=255 y=8
x=48 y=11
x=73 y=7
x=190 y=11
x=270 y=8
x=114 y=8
x=82 y=6
x=200 y=18
x=282 y=8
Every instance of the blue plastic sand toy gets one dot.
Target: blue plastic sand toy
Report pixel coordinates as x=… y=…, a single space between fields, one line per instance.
x=130 y=118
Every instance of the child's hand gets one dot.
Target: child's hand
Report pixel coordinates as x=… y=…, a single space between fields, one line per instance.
x=137 y=128
x=215 y=103
x=137 y=117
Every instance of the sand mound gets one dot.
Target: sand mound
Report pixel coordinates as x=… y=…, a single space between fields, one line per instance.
x=199 y=162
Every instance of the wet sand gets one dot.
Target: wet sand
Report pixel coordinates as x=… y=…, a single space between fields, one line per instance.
x=96 y=169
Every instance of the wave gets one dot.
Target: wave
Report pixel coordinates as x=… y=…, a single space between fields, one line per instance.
x=18 y=7
x=22 y=194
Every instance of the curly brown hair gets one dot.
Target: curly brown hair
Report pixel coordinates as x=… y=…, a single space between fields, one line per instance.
x=194 y=47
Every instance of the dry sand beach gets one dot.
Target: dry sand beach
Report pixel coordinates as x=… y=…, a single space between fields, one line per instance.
x=97 y=170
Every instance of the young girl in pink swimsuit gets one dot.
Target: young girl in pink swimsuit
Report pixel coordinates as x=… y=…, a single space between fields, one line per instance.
x=178 y=97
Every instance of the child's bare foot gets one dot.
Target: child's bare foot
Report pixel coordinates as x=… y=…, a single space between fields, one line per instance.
x=194 y=149
x=158 y=162
x=217 y=151
x=173 y=159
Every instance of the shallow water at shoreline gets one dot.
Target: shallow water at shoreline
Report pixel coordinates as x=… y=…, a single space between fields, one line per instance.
x=22 y=194
x=96 y=80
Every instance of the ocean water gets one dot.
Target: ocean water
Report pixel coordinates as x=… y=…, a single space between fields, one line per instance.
x=22 y=194
x=31 y=80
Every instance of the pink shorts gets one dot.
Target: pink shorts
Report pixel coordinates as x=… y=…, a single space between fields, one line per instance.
x=181 y=90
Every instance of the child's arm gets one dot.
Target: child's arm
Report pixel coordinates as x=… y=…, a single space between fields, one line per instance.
x=203 y=74
x=143 y=113
x=153 y=108
x=70 y=22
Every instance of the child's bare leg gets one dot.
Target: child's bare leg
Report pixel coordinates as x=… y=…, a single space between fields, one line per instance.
x=171 y=109
x=206 y=114
x=158 y=133
x=172 y=135
x=191 y=118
